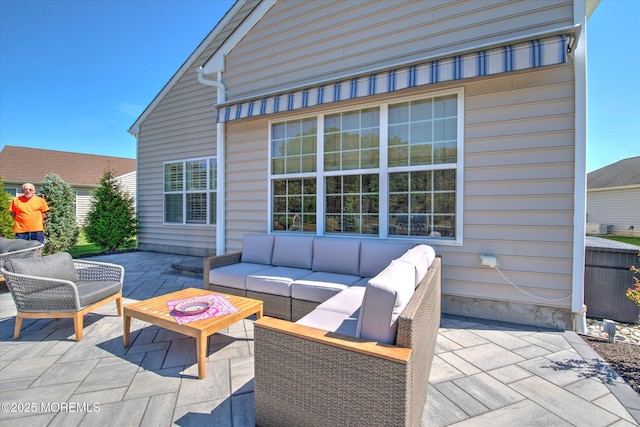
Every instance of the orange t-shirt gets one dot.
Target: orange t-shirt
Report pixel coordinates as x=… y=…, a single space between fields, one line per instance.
x=28 y=213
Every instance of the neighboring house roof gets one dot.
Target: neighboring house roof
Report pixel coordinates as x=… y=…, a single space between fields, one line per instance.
x=620 y=174
x=21 y=164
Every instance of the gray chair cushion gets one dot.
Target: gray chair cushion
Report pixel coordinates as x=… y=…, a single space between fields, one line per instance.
x=319 y=286
x=234 y=275
x=293 y=251
x=57 y=266
x=336 y=256
x=275 y=280
x=92 y=292
x=257 y=248
x=11 y=245
x=385 y=297
x=376 y=255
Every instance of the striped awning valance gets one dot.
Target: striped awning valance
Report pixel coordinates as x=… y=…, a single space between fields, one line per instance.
x=515 y=57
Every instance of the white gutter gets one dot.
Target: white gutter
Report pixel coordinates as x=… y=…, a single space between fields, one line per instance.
x=220 y=161
x=580 y=181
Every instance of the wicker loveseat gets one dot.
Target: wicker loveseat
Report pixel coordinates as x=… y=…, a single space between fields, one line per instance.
x=320 y=377
x=292 y=275
x=361 y=347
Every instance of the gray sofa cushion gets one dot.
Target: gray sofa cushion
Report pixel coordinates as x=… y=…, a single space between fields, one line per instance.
x=57 y=266
x=293 y=251
x=234 y=275
x=331 y=321
x=11 y=245
x=319 y=286
x=257 y=248
x=347 y=301
x=376 y=255
x=275 y=280
x=337 y=314
x=420 y=257
x=336 y=256
x=385 y=297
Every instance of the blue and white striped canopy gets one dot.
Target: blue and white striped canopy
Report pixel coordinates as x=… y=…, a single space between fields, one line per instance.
x=504 y=59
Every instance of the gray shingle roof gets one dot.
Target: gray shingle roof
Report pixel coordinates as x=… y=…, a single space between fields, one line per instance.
x=618 y=174
x=21 y=164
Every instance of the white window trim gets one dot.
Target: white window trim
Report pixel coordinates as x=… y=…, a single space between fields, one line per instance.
x=382 y=170
x=208 y=191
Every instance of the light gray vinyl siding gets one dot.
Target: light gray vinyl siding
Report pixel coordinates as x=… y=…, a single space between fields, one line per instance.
x=181 y=127
x=298 y=43
x=83 y=204
x=615 y=207
x=518 y=190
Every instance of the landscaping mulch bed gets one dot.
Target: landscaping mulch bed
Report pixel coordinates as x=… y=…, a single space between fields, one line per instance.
x=622 y=357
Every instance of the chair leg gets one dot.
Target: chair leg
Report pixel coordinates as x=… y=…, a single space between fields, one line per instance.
x=16 y=330
x=78 y=325
x=119 y=305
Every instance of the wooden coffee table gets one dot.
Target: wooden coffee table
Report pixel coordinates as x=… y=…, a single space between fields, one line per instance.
x=156 y=312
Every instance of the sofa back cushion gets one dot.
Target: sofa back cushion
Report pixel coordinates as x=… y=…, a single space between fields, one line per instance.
x=385 y=296
x=420 y=257
x=57 y=266
x=293 y=251
x=257 y=248
x=375 y=256
x=336 y=256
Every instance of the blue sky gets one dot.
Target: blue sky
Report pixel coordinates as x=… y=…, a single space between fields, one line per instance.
x=75 y=75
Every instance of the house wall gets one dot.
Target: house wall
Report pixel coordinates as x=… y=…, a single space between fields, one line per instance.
x=518 y=195
x=83 y=204
x=616 y=207
x=303 y=42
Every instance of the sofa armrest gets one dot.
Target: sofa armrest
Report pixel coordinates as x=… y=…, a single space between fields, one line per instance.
x=212 y=262
x=92 y=271
x=385 y=351
x=308 y=376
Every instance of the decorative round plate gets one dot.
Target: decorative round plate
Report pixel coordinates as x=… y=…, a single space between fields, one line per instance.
x=192 y=308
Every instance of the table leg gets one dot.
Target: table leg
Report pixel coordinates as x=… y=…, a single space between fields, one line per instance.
x=201 y=349
x=127 y=328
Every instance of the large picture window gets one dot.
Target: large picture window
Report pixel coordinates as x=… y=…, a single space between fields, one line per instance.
x=190 y=191
x=392 y=170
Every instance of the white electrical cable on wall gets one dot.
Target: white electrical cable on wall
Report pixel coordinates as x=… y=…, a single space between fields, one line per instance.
x=528 y=293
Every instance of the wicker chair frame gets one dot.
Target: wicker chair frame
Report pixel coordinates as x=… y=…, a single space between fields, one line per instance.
x=60 y=298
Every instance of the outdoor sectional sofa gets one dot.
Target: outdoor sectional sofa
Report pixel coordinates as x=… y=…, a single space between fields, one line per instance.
x=366 y=318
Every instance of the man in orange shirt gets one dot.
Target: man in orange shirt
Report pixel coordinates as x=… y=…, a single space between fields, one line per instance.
x=29 y=212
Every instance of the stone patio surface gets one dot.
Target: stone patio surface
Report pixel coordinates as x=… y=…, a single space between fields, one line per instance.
x=484 y=372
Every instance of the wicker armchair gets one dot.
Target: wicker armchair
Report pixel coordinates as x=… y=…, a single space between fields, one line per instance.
x=308 y=376
x=56 y=286
x=17 y=248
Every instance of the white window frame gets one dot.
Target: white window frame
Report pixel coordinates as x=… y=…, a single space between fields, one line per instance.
x=211 y=193
x=382 y=170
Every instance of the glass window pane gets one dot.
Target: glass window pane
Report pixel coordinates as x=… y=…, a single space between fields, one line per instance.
x=399 y=113
x=173 y=208
x=173 y=177
x=196 y=175
x=196 y=208
x=212 y=208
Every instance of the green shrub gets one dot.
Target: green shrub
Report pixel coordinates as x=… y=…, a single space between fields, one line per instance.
x=61 y=228
x=6 y=220
x=111 y=221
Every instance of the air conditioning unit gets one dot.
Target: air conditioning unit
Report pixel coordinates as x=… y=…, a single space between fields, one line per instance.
x=596 y=228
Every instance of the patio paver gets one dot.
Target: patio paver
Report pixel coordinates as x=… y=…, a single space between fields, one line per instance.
x=484 y=372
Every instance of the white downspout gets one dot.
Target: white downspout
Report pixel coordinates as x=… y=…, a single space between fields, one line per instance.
x=221 y=162
x=580 y=180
